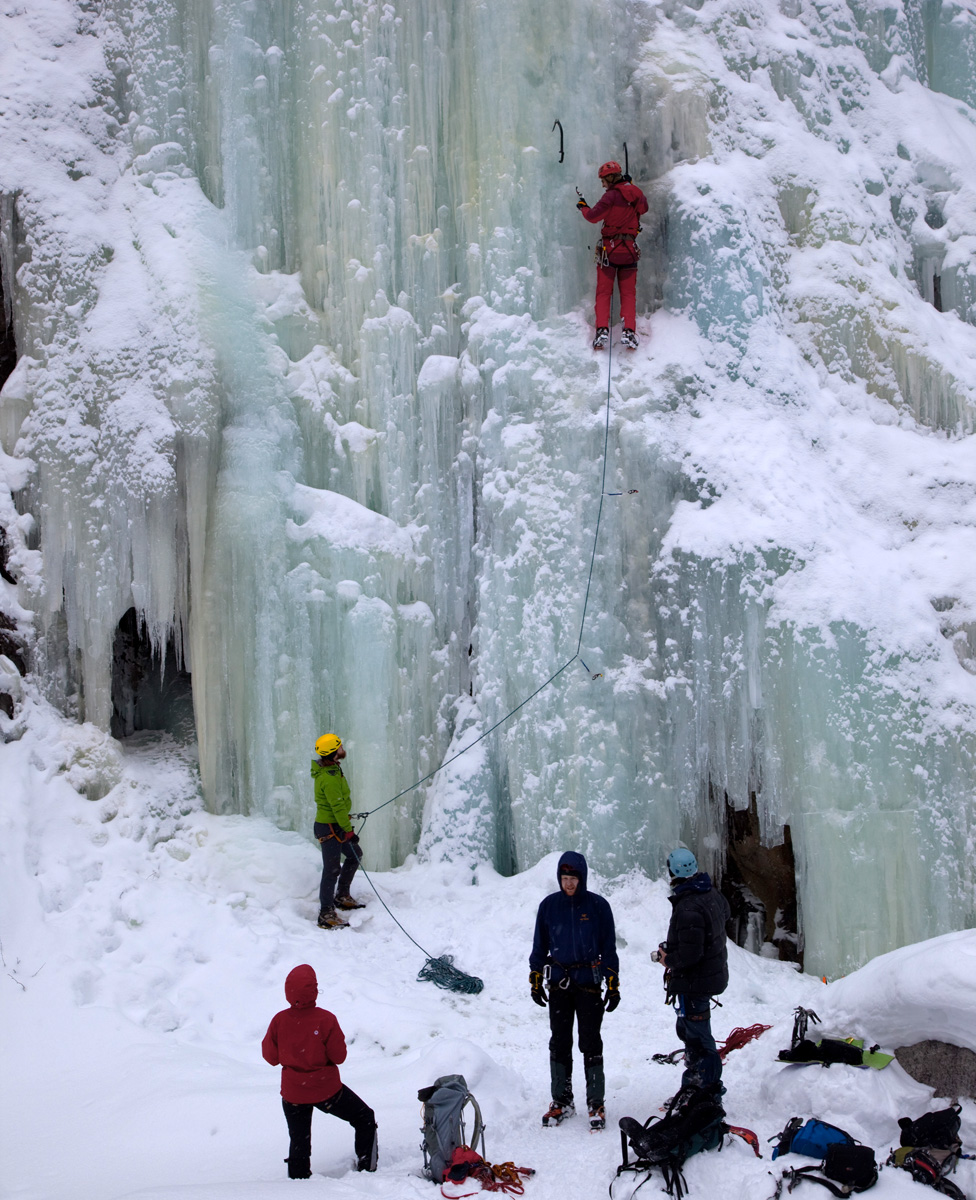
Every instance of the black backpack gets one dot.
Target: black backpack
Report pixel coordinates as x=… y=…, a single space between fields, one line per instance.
x=939 y=1129
x=694 y=1121
x=930 y=1149
x=826 y=1051
x=845 y=1169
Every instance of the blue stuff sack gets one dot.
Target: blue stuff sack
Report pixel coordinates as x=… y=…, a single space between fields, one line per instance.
x=810 y=1138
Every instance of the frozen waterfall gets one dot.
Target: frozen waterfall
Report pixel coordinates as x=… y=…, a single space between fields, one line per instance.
x=302 y=408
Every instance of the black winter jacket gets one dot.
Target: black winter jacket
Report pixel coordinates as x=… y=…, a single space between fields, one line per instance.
x=697 y=955
x=575 y=934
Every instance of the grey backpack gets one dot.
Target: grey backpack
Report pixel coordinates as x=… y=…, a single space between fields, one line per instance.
x=443 y=1127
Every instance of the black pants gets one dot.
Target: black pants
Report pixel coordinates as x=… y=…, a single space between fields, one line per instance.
x=703 y=1066
x=334 y=851
x=587 y=1008
x=345 y=1105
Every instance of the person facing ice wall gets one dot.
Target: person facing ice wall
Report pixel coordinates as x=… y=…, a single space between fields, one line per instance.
x=334 y=832
x=696 y=958
x=617 y=252
x=308 y=1045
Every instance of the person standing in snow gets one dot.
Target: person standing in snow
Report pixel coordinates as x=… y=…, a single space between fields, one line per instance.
x=334 y=831
x=574 y=950
x=308 y=1045
x=620 y=209
x=697 y=960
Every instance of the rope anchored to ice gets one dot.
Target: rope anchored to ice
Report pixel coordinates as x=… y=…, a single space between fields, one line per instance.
x=579 y=642
x=441 y=971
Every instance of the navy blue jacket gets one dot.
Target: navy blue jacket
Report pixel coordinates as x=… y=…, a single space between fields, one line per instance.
x=575 y=934
x=698 y=956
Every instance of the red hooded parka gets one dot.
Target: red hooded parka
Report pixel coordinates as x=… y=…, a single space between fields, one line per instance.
x=306 y=1042
x=620 y=208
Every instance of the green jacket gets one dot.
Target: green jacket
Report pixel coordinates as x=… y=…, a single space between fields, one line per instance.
x=333 y=799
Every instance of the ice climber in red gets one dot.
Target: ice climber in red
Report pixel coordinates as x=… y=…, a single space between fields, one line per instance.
x=308 y=1045
x=620 y=209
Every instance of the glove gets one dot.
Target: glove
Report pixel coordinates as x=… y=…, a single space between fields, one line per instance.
x=581 y=204
x=612 y=998
x=626 y=179
x=349 y=835
x=538 y=989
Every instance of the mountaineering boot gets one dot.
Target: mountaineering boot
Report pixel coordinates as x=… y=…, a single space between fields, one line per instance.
x=299 y=1168
x=367 y=1148
x=598 y=1119
x=347 y=903
x=602 y=339
x=688 y=1094
x=330 y=919
x=558 y=1113
x=629 y=339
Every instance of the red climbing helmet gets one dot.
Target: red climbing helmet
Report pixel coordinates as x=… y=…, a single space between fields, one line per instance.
x=610 y=168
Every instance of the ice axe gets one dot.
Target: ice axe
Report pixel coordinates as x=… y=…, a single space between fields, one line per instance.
x=562 y=153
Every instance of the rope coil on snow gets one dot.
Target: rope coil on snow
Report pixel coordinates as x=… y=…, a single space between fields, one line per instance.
x=440 y=971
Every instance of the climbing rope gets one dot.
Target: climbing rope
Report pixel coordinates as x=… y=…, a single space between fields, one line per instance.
x=441 y=971
x=739 y=1037
x=586 y=600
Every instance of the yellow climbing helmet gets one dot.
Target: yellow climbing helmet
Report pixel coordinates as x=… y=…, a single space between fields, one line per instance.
x=327 y=745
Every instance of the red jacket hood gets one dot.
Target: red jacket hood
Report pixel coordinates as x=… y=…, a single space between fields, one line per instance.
x=301 y=987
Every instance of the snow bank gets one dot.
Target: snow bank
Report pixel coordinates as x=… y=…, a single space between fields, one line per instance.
x=145 y=946
x=909 y=995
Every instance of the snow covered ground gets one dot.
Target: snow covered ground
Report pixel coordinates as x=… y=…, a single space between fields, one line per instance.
x=145 y=945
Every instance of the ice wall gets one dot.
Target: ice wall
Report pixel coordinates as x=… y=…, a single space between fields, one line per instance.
x=303 y=375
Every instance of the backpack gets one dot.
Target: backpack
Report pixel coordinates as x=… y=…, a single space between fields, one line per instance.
x=811 y=1138
x=690 y=1125
x=443 y=1127
x=846 y=1168
x=939 y=1129
x=930 y=1149
x=827 y=1050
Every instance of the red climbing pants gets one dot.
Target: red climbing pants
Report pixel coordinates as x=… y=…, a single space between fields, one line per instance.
x=627 y=283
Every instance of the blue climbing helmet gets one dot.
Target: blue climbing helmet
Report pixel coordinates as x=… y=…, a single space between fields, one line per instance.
x=682 y=863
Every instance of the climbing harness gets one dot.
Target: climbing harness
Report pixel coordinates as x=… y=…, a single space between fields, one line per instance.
x=501 y=1177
